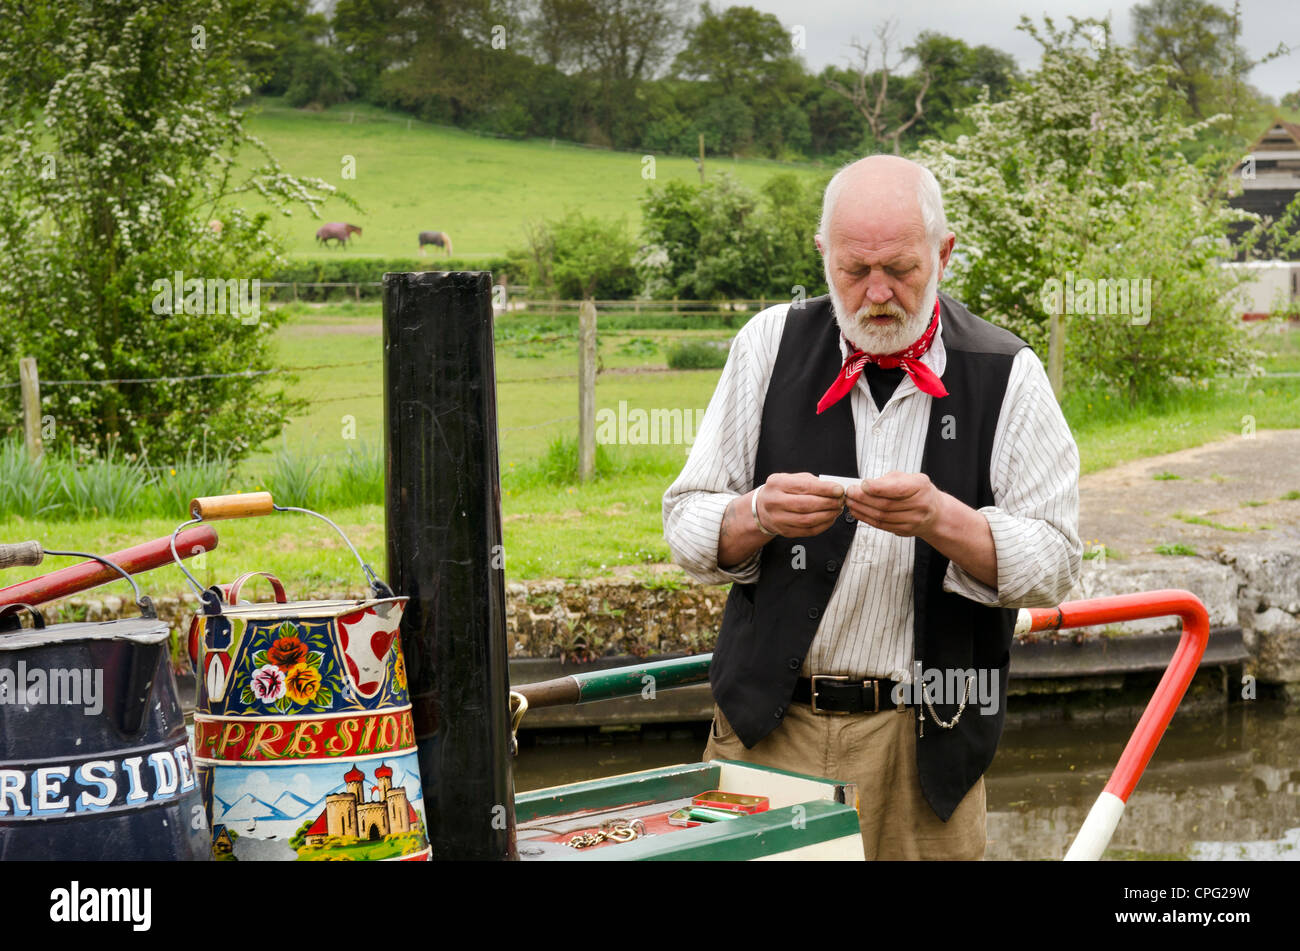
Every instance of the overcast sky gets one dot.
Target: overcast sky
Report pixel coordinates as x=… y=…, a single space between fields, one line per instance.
x=830 y=24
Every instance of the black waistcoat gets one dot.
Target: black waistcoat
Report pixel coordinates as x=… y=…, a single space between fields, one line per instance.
x=768 y=626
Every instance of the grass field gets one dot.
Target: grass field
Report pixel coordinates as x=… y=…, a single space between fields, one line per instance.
x=480 y=190
x=554 y=526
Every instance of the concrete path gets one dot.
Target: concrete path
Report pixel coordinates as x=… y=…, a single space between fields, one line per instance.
x=1225 y=493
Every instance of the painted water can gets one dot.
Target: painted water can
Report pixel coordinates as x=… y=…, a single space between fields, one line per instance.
x=303 y=739
x=95 y=764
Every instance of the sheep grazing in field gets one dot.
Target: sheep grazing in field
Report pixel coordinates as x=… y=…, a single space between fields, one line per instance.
x=338 y=230
x=439 y=238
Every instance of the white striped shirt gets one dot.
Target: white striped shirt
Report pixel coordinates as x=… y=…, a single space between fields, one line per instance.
x=866 y=629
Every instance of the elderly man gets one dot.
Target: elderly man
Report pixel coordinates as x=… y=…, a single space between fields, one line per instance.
x=868 y=631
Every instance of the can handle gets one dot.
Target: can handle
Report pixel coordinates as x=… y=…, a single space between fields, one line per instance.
x=252 y=505
x=21 y=553
x=242 y=505
x=232 y=594
x=13 y=624
x=143 y=602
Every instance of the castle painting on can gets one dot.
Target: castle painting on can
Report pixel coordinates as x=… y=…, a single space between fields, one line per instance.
x=304 y=743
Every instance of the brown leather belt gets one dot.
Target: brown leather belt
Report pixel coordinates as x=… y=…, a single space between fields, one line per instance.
x=837 y=695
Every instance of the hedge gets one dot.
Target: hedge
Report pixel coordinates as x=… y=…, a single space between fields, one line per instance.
x=365 y=270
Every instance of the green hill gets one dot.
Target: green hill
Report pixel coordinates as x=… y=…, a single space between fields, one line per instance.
x=412 y=177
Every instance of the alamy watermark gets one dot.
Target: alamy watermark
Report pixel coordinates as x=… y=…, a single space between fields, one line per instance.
x=955 y=686
x=1089 y=297
x=23 y=686
x=654 y=427
x=196 y=296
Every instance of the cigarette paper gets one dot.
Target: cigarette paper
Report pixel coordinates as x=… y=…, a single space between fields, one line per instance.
x=846 y=481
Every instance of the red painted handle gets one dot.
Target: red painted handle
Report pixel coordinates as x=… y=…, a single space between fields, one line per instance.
x=232 y=592
x=1173 y=685
x=91 y=574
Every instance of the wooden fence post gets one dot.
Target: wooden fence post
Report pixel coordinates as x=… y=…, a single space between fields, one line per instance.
x=1056 y=353
x=586 y=390
x=30 y=383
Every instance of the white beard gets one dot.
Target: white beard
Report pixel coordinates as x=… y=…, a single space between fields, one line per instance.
x=905 y=330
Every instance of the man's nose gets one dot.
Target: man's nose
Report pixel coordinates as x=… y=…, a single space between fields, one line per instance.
x=878 y=289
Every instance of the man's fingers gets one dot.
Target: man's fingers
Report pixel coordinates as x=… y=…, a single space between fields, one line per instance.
x=803 y=526
x=857 y=498
x=894 y=485
x=805 y=483
x=801 y=503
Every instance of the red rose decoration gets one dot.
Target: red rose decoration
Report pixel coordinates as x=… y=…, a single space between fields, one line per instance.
x=287 y=652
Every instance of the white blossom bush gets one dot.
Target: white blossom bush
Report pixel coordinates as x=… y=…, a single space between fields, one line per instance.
x=121 y=141
x=1079 y=174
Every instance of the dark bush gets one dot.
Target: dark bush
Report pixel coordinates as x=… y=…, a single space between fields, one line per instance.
x=696 y=355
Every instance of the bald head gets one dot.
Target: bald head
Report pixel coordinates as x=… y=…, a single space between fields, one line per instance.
x=884 y=243
x=883 y=188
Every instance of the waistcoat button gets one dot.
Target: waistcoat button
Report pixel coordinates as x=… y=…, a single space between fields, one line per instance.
x=793 y=663
x=832 y=566
x=848 y=516
x=814 y=613
x=778 y=712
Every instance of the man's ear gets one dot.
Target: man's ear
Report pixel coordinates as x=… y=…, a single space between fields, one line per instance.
x=945 y=252
x=821 y=246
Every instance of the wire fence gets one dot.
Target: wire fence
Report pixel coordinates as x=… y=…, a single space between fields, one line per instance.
x=293 y=370
x=515 y=302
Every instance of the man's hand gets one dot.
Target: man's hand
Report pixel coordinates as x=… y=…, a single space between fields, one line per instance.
x=902 y=503
x=799 y=504
x=909 y=504
x=791 y=504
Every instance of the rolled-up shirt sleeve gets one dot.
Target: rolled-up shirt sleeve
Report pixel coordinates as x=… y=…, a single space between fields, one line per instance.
x=1035 y=515
x=720 y=466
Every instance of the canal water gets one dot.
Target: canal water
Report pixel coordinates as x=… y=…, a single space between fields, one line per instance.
x=1222 y=785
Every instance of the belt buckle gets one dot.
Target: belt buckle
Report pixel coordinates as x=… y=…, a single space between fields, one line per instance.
x=843 y=678
x=813 y=698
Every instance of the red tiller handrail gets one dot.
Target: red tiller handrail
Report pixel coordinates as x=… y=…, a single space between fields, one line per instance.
x=91 y=574
x=1173 y=685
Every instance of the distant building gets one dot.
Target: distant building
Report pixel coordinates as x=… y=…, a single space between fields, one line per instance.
x=352 y=815
x=1270 y=176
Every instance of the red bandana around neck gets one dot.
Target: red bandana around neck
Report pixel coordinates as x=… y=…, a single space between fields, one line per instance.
x=909 y=358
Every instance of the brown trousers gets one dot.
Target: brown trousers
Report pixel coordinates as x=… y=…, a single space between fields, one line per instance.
x=877 y=751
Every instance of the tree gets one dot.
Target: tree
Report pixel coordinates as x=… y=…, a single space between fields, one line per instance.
x=558 y=30
x=581 y=257
x=1078 y=176
x=959 y=74
x=120 y=141
x=319 y=77
x=721 y=240
x=1195 y=39
x=628 y=41
x=283 y=50
x=368 y=35
x=739 y=49
x=869 y=90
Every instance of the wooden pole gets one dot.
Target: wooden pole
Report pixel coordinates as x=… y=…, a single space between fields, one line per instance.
x=701 y=158
x=586 y=390
x=443 y=528
x=31 y=394
x=1055 y=353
